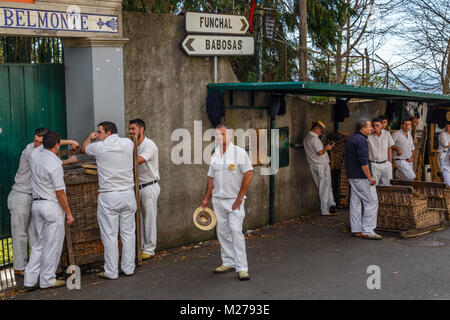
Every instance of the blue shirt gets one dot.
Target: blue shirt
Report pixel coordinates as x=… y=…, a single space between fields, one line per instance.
x=356 y=155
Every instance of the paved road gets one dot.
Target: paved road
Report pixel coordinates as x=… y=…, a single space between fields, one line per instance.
x=307 y=258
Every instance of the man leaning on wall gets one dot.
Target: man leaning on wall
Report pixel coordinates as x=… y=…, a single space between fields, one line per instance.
x=319 y=164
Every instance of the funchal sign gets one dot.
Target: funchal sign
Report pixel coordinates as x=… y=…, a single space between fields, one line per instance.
x=58 y=19
x=217 y=35
x=198 y=22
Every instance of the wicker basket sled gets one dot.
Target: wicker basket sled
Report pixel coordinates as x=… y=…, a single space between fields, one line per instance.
x=83 y=240
x=401 y=208
x=437 y=193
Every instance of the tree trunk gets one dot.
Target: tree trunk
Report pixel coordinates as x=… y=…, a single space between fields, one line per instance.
x=303 y=27
x=446 y=71
x=338 y=58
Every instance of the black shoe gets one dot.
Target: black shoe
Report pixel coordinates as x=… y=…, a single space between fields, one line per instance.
x=333 y=209
x=28 y=289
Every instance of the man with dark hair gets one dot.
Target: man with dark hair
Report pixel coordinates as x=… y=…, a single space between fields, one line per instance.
x=116 y=201
x=444 y=153
x=362 y=183
x=108 y=126
x=47 y=221
x=229 y=177
x=384 y=123
x=148 y=185
x=380 y=153
x=319 y=165
x=404 y=159
x=19 y=200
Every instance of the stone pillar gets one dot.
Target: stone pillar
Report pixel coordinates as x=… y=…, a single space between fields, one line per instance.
x=94 y=85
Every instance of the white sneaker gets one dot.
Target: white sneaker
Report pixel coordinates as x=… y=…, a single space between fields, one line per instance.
x=372 y=236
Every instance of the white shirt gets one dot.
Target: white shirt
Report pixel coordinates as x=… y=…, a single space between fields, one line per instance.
x=404 y=143
x=312 y=145
x=228 y=171
x=148 y=170
x=444 y=140
x=47 y=174
x=23 y=174
x=379 y=145
x=114 y=158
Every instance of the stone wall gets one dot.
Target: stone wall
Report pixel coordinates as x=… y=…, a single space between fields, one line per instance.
x=168 y=91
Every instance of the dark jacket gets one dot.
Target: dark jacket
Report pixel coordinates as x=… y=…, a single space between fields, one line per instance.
x=356 y=155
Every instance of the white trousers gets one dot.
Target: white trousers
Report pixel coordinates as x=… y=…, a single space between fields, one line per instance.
x=405 y=170
x=116 y=212
x=321 y=174
x=229 y=233
x=382 y=172
x=19 y=205
x=362 y=190
x=149 y=209
x=444 y=167
x=47 y=224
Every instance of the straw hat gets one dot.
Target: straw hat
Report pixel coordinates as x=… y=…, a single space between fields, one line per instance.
x=320 y=123
x=89 y=168
x=204 y=218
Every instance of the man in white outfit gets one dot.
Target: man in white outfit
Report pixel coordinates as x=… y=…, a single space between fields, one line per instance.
x=116 y=201
x=380 y=153
x=443 y=153
x=362 y=183
x=20 y=199
x=405 y=156
x=319 y=164
x=47 y=214
x=148 y=186
x=229 y=177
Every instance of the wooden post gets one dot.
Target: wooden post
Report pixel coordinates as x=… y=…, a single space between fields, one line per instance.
x=138 y=203
x=69 y=245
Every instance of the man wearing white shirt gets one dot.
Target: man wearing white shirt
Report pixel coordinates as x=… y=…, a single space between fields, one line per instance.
x=443 y=153
x=229 y=177
x=20 y=199
x=319 y=164
x=116 y=201
x=380 y=153
x=404 y=158
x=149 y=188
x=47 y=214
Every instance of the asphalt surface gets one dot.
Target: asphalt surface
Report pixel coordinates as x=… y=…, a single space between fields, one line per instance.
x=307 y=258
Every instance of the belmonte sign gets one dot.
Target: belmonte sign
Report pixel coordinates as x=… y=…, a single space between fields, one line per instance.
x=21 y=18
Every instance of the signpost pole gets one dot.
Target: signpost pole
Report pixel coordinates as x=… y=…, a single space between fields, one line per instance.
x=215 y=69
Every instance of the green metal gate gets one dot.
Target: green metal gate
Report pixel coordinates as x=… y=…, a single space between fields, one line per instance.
x=31 y=96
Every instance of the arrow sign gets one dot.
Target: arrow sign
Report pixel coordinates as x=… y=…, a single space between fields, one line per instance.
x=198 y=22
x=211 y=45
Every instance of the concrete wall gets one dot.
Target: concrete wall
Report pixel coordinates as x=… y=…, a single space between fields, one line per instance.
x=168 y=90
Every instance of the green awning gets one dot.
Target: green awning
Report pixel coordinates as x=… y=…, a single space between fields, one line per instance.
x=330 y=90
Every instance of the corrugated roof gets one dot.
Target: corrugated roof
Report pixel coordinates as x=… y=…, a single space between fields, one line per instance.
x=330 y=90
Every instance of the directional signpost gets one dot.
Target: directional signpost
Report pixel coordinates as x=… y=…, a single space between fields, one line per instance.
x=217 y=35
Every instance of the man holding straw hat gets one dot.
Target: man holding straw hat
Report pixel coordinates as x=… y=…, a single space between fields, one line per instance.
x=229 y=177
